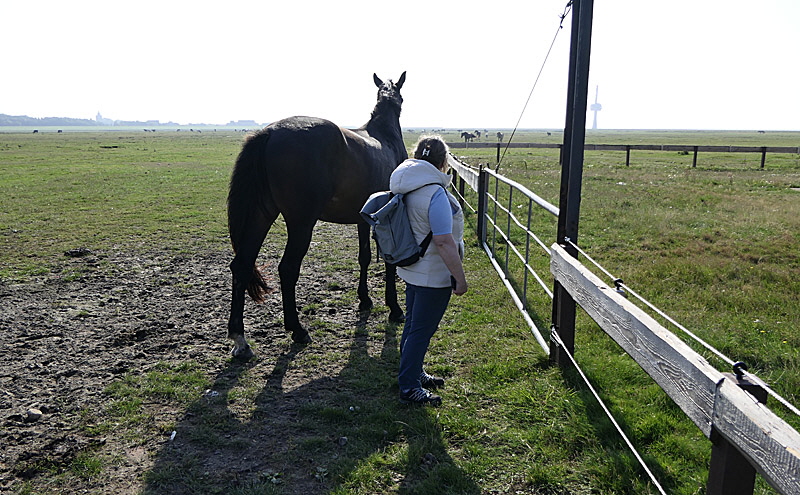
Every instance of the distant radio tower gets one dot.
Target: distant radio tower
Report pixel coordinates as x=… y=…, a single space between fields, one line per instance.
x=596 y=107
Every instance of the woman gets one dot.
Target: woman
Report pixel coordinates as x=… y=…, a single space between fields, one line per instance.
x=439 y=273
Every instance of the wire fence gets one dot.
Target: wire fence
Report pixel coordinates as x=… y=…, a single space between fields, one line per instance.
x=687 y=149
x=509 y=216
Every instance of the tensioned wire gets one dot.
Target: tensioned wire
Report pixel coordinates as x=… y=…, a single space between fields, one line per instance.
x=709 y=347
x=567 y=9
x=558 y=341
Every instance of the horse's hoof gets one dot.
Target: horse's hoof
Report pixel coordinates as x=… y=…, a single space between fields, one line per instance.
x=365 y=306
x=244 y=354
x=301 y=338
x=397 y=317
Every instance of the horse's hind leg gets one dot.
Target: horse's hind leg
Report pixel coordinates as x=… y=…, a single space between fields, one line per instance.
x=298 y=240
x=364 y=255
x=243 y=271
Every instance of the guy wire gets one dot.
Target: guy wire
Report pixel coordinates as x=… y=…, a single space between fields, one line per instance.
x=567 y=9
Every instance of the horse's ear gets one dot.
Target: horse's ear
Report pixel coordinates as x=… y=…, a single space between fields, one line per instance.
x=401 y=81
x=377 y=80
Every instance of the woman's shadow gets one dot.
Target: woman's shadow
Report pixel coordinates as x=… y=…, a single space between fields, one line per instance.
x=250 y=435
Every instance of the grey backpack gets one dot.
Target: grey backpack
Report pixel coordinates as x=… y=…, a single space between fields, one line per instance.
x=386 y=213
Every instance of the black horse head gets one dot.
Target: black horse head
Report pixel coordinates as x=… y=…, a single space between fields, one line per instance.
x=388 y=91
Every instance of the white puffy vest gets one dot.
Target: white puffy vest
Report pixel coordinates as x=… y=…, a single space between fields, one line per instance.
x=430 y=270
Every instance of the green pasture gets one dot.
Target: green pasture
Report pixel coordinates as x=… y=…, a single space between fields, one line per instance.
x=715 y=246
x=107 y=190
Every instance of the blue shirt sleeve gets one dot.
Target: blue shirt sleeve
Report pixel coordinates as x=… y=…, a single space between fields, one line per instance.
x=440 y=215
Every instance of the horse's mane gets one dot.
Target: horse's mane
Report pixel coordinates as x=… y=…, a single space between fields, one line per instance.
x=384 y=124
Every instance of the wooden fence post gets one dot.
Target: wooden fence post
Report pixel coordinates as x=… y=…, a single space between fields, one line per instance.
x=763 y=155
x=461 y=183
x=730 y=473
x=694 y=160
x=498 y=152
x=563 y=326
x=628 y=155
x=483 y=185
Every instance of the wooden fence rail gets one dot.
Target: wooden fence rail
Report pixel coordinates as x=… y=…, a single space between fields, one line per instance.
x=714 y=402
x=627 y=148
x=746 y=436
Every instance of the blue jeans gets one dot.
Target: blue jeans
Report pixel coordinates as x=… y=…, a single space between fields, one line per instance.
x=425 y=307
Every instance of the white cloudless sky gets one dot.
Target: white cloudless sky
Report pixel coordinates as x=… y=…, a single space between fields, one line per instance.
x=682 y=64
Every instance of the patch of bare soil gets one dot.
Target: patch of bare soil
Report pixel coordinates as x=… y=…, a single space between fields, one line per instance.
x=64 y=341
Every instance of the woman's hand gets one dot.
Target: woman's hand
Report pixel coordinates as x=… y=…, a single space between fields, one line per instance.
x=449 y=253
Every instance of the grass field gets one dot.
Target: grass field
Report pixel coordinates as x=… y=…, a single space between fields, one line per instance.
x=715 y=246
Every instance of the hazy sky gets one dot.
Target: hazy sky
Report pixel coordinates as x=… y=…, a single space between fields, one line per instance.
x=682 y=64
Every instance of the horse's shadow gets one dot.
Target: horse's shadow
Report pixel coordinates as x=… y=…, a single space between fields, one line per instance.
x=250 y=435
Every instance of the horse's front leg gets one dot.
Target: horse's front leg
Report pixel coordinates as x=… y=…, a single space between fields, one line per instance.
x=364 y=256
x=395 y=311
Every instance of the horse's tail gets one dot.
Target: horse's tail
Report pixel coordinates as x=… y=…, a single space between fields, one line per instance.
x=248 y=195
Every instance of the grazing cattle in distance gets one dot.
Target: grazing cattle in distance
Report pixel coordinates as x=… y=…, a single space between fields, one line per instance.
x=36 y=131
x=499 y=137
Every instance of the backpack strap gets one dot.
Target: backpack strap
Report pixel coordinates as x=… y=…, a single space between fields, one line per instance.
x=423 y=246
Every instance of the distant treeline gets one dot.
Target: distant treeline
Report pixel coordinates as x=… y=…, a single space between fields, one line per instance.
x=24 y=120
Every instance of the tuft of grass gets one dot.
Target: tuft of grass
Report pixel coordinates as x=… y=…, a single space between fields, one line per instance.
x=180 y=383
x=87 y=465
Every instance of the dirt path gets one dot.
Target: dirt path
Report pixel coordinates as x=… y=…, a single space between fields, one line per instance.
x=65 y=341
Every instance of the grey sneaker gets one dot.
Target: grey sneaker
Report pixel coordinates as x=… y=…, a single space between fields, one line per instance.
x=430 y=381
x=420 y=396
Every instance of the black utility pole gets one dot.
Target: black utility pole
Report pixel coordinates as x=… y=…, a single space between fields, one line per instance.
x=572 y=170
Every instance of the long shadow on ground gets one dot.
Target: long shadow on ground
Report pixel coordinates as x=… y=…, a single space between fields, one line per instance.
x=313 y=438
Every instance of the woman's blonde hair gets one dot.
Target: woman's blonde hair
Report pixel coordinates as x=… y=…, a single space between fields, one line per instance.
x=432 y=149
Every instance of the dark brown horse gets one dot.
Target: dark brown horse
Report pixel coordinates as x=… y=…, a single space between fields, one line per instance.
x=308 y=169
